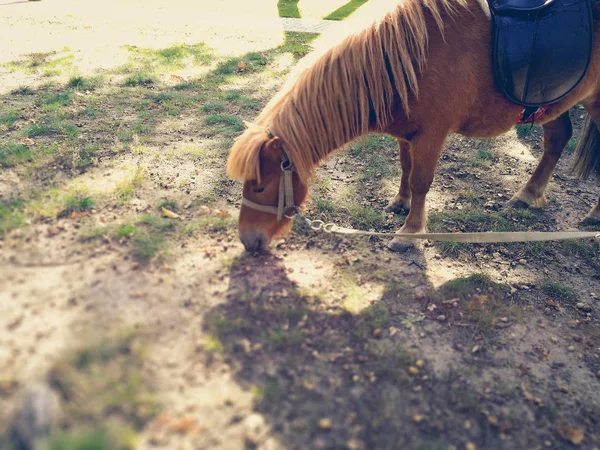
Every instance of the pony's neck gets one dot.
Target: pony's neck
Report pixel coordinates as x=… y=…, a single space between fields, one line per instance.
x=354 y=87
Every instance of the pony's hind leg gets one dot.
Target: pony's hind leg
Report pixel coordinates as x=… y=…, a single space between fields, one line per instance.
x=556 y=135
x=401 y=202
x=593 y=217
x=425 y=152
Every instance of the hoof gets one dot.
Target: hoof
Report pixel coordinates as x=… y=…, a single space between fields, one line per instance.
x=398 y=206
x=517 y=203
x=590 y=220
x=400 y=245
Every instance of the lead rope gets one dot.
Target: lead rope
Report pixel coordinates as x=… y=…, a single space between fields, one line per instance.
x=518 y=236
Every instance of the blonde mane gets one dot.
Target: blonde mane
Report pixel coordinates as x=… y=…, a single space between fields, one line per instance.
x=329 y=103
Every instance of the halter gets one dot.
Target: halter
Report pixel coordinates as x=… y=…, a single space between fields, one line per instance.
x=286 y=190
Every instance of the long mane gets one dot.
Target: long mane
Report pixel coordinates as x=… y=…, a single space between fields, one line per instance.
x=330 y=102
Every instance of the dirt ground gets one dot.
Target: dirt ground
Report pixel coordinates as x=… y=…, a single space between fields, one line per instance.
x=156 y=332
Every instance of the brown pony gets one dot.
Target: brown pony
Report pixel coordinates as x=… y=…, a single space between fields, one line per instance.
x=419 y=73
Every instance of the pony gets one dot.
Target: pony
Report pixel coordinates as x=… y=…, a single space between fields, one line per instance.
x=418 y=73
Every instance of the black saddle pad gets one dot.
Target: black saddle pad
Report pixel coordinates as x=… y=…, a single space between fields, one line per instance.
x=541 y=49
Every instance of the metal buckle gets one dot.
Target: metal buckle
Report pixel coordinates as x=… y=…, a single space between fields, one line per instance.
x=286 y=166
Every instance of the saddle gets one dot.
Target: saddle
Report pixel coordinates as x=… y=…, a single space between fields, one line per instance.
x=541 y=49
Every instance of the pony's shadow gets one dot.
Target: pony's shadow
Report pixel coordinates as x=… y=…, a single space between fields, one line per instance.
x=324 y=377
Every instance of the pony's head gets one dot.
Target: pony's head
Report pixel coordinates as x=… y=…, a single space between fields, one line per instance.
x=272 y=186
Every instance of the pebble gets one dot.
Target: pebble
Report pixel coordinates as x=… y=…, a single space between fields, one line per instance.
x=325 y=424
x=522 y=262
x=470 y=446
x=377 y=333
x=571 y=348
x=413 y=370
x=254 y=426
x=420 y=363
x=554 y=339
x=577 y=338
x=418 y=418
x=584 y=307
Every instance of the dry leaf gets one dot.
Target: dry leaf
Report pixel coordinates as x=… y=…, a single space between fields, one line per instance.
x=242 y=66
x=221 y=213
x=552 y=303
x=170 y=214
x=185 y=425
x=177 y=77
x=575 y=435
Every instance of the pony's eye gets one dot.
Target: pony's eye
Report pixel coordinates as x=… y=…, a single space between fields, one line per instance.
x=259 y=190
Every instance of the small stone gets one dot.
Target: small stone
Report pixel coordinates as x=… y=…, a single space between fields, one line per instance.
x=522 y=262
x=548 y=443
x=577 y=338
x=571 y=348
x=504 y=319
x=361 y=358
x=491 y=290
x=420 y=363
x=475 y=349
x=554 y=339
x=204 y=210
x=325 y=424
x=413 y=370
x=418 y=418
x=441 y=318
x=470 y=446
x=377 y=333
x=468 y=425
x=598 y=374
x=460 y=347
x=254 y=427
x=584 y=307
x=53 y=231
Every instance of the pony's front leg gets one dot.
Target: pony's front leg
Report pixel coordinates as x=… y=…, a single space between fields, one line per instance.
x=425 y=152
x=556 y=135
x=593 y=217
x=401 y=202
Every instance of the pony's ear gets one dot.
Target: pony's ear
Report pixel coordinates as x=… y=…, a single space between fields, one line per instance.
x=272 y=149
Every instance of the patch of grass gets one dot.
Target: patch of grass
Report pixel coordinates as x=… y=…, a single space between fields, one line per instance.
x=373 y=317
x=85 y=83
x=288 y=8
x=11 y=215
x=472 y=220
x=252 y=62
x=91 y=233
x=571 y=145
x=213 y=107
x=77 y=203
x=280 y=339
x=129 y=184
x=48 y=63
x=13 y=154
x=86 y=155
x=365 y=218
x=8 y=119
x=453 y=249
x=168 y=204
x=461 y=287
x=345 y=10
x=523 y=130
x=216 y=224
x=140 y=78
x=558 y=291
x=173 y=57
x=55 y=99
x=232 y=124
x=125 y=231
x=22 y=90
x=149 y=241
x=99 y=379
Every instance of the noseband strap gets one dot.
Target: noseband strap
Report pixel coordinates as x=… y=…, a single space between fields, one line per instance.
x=286 y=192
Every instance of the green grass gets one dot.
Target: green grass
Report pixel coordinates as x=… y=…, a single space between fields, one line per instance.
x=85 y=83
x=371 y=318
x=8 y=119
x=558 y=291
x=252 y=61
x=147 y=243
x=125 y=231
x=288 y=8
x=523 y=130
x=345 y=10
x=472 y=219
x=173 y=57
x=213 y=107
x=77 y=203
x=140 y=78
x=12 y=154
x=365 y=218
x=99 y=379
x=11 y=215
x=461 y=287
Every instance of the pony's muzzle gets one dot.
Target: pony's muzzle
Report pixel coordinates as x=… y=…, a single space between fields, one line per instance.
x=254 y=241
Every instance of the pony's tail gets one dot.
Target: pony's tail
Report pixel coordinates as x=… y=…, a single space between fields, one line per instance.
x=587 y=152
